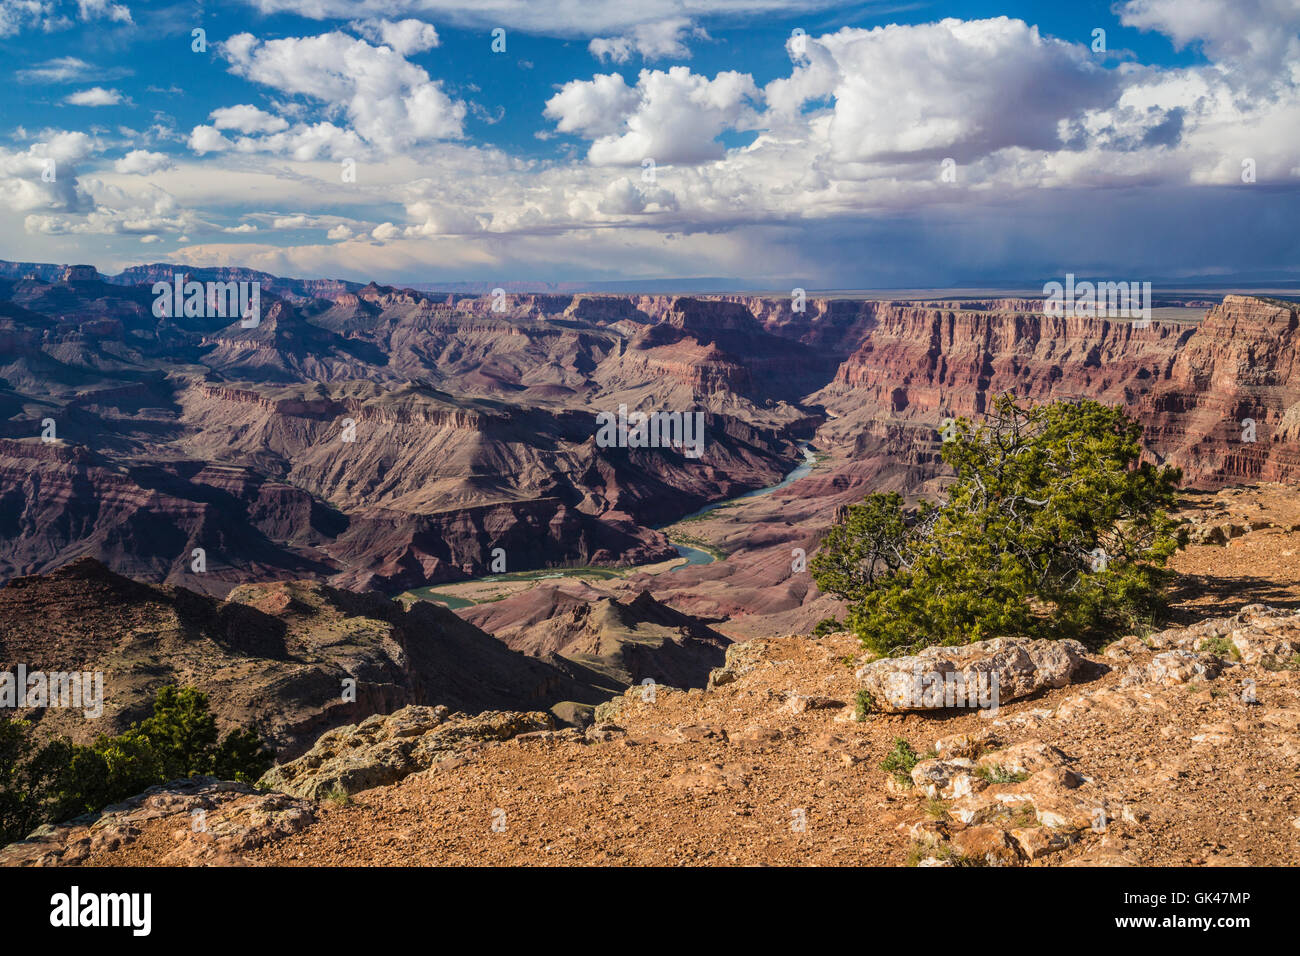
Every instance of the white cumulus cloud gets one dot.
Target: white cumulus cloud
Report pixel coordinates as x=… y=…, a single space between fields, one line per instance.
x=245 y=118
x=95 y=96
x=670 y=117
x=390 y=103
x=142 y=162
x=953 y=88
x=207 y=139
x=404 y=36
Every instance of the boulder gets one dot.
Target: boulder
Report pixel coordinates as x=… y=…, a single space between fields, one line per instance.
x=385 y=748
x=947 y=779
x=1035 y=842
x=1176 y=667
x=986 y=844
x=1026 y=758
x=927 y=832
x=969 y=745
x=998 y=670
x=740 y=660
x=1049 y=793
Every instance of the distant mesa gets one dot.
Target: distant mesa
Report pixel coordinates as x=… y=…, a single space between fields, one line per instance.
x=80 y=274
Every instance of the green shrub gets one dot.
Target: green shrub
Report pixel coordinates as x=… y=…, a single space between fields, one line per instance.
x=994 y=773
x=900 y=761
x=1052 y=527
x=20 y=810
x=936 y=809
x=827 y=625
x=1221 y=647
x=63 y=779
x=339 y=797
x=863 y=704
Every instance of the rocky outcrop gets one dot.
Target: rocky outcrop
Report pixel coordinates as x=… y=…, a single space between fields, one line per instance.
x=984 y=674
x=80 y=274
x=740 y=660
x=384 y=749
x=203 y=821
x=758 y=770
x=1257 y=634
x=1000 y=804
x=1010 y=805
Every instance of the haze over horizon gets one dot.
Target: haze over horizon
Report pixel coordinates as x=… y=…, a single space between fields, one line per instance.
x=870 y=146
x=1284 y=287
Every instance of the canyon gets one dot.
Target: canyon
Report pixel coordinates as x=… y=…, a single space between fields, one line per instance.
x=386 y=438
x=365 y=438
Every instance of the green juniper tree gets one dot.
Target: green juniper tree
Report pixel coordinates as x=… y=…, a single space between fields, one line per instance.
x=63 y=779
x=19 y=808
x=1052 y=527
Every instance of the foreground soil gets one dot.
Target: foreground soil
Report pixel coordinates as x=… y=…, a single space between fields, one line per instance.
x=1259 y=561
x=772 y=768
x=737 y=776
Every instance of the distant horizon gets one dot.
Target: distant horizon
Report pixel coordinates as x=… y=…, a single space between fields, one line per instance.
x=714 y=285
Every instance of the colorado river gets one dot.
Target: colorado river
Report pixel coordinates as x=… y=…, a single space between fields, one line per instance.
x=692 y=555
x=695 y=555
x=808 y=458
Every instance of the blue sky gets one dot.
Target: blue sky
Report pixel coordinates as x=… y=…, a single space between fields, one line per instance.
x=893 y=144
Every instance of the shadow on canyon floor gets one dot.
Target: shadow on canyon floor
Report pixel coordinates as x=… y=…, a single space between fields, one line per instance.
x=1228 y=593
